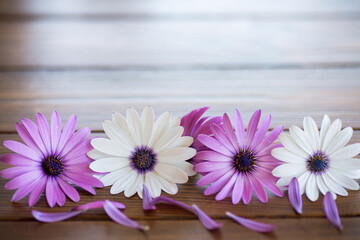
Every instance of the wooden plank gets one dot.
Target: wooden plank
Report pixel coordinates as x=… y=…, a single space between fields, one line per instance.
x=287 y=94
x=171 y=7
x=188 y=193
x=186 y=229
x=178 y=44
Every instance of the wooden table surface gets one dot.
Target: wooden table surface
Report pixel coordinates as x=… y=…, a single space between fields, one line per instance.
x=91 y=58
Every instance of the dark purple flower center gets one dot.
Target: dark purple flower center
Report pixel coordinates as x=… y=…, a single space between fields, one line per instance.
x=52 y=166
x=143 y=159
x=317 y=162
x=244 y=161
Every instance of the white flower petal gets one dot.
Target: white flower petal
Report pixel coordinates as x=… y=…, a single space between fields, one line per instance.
x=95 y=154
x=347 y=170
x=347 y=164
x=147 y=122
x=333 y=186
x=168 y=138
x=284 y=181
x=176 y=154
x=174 y=122
x=334 y=129
x=132 y=184
x=110 y=178
x=312 y=131
x=324 y=129
x=134 y=124
x=288 y=169
x=120 y=121
x=321 y=185
x=160 y=128
x=109 y=164
x=312 y=191
x=122 y=182
x=301 y=139
x=347 y=152
x=303 y=179
x=185 y=166
x=342 y=180
x=109 y=147
x=286 y=156
x=171 y=173
x=185 y=141
x=152 y=184
x=340 y=140
x=169 y=187
x=287 y=141
x=114 y=132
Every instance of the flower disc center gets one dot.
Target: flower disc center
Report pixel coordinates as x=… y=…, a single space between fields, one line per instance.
x=52 y=166
x=143 y=159
x=317 y=162
x=244 y=161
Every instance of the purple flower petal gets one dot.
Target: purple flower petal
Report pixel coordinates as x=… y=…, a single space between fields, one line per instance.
x=213 y=144
x=54 y=217
x=67 y=132
x=26 y=137
x=170 y=201
x=331 y=210
x=97 y=204
x=119 y=217
x=69 y=190
x=147 y=200
x=55 y=131
x=239 y=128
x=230 y=131
x=208 y=222
x=22 y=150
x=253 y=125
x=251 y=224
x=37 y=190
x=18 y=160
x=44 y=130
x=149 y=204
x=295 y=196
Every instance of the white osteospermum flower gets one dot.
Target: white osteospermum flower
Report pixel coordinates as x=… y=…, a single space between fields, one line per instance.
x=319 y=160
x=142 y=151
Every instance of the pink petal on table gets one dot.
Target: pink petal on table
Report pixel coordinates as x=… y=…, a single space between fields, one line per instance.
x=331 y=211
x=119 y=217
x=251 y=224
x=147 y=200
x=295 y=195
x=149 y=204
x=97 y=204
x=54 y=217
x=170 y=201
x=208 y=222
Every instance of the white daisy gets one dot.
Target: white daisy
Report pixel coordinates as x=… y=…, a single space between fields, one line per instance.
x=142 y=151
x=319 y=160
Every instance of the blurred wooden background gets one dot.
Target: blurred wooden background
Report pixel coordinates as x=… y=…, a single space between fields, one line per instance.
x=90 y=57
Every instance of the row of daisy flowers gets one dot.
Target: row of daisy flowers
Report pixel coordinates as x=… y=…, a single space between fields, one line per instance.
x=157 y=154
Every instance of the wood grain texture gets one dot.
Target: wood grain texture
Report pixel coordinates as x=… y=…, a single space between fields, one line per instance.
x=90 y=58
x=186 y=229
x=75 y=44
x=287 y=94
x=188 y=193
x=172 y=7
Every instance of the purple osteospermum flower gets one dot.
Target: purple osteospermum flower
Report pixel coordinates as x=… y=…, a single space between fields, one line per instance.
x=50 y=160
x=239 y=162
x=194 y=124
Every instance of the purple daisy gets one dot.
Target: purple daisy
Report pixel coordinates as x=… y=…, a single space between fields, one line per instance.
x=50 y=160
x=239 y=162
x=194 y=124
